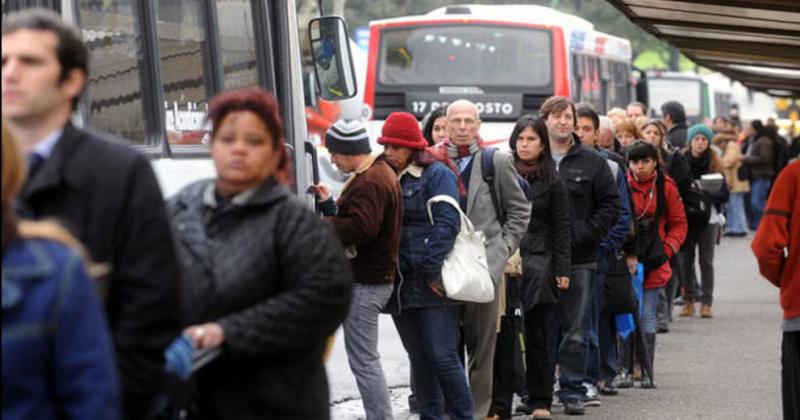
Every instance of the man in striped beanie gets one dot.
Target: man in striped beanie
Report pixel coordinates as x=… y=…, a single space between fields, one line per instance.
x=367 y=218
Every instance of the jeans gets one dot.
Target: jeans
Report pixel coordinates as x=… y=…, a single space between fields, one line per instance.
x=736 y=218
x=573 y=351
x=649 y=307
x=759 y=190
x=361 y=344
x=430 y=337
x=667 y=296
x=704 y=240
x=790 y=372
x=596 y=306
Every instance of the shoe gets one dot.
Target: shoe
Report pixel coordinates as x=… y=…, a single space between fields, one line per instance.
x=592 y=401
x=523 y=408
x=574 y=407
x=624 y=380
x=607 y=389
x=688 y=309
x=663 y=330
x=495 y=417
x=541 y=414
x=678 y=301
x=705 y=311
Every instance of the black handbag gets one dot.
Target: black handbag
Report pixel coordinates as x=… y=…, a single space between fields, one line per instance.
x=743 y=173
x=651 y=247
x=618 y=294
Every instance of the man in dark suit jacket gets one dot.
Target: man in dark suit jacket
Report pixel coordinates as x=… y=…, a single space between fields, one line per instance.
x=103 y=191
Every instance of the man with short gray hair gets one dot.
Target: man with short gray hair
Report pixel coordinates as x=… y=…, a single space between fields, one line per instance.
x=501 y=211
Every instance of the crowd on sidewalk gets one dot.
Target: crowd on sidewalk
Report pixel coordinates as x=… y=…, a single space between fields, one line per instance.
x=587 y=232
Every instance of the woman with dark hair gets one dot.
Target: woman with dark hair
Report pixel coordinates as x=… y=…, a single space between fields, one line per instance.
x=759 y=158
x=704 y=225
x=58 y=360
x=427 y=321
x=434 y=126
x=546 y=261
x=267 y=280
x=661 y=228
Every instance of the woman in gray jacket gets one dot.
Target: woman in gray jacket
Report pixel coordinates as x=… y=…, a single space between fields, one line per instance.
x=266 y=279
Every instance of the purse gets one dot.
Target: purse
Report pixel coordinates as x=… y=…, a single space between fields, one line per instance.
x=619 y=297
x=465 y=272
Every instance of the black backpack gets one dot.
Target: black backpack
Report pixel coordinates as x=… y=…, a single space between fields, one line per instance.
x=487 y=166
x=781 y=154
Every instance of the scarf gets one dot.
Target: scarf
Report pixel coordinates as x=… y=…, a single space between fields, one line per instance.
x=527 y=170
x=700 y=165
x=458 y=152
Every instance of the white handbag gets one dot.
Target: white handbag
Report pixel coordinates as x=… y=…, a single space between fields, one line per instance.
x=465 y=273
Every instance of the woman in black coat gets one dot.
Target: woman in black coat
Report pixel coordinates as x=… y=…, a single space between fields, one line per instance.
x=546 y=261
x=266 y=279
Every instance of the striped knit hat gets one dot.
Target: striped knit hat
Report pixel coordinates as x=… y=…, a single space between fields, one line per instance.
x=347 y=137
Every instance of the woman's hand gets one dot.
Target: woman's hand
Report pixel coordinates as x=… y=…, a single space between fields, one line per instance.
x=562 y=282
x=324 y=191
x=632 y=262
x=206 y=335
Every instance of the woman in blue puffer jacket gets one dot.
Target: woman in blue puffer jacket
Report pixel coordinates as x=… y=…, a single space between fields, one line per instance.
x=427 y=321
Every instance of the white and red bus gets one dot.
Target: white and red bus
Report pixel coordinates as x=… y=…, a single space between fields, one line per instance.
x=507 y=59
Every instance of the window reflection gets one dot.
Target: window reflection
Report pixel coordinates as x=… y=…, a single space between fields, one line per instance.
x=237 y=43
x=114 y=88
x=181 y=42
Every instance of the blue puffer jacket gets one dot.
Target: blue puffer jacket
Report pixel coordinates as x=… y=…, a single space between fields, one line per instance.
x=57 y=354
x=423 y=248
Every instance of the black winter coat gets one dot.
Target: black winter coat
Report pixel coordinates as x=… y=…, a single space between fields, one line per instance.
x=676 y=136
x=594 y=199
x=107 y=195
x=545 y=248
x=274 y=276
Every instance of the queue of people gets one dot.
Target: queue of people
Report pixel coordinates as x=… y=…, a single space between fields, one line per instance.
x=581 y=204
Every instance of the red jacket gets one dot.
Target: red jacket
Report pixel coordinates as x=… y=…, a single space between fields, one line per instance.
x=672 y=225
x=774 y=236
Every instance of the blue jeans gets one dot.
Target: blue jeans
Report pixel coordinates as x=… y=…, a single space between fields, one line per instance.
x=736 y=219
x=759 y=190
x=649 y=309
x=573 y=352
x=596 y=307
x=361 y=344
x=430 y=337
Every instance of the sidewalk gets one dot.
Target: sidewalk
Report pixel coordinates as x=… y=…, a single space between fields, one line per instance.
x=727 y=367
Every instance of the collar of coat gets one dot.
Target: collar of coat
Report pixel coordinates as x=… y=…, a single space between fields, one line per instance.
x=361 y=169
x=24 y=261
x=268 y=192
x=53 y=171
x=413 y=170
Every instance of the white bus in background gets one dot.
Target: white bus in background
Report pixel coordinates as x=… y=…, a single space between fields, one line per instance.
x=155 y=65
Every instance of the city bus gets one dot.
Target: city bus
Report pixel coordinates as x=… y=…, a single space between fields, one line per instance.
x=155 y=65
x=507 y=59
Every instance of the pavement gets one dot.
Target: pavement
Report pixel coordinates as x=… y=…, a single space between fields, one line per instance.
x=727 y=367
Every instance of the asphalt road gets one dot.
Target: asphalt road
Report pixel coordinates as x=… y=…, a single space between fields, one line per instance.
x=727 y=367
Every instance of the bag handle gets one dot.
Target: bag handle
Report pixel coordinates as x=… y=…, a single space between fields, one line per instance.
x=465 y=222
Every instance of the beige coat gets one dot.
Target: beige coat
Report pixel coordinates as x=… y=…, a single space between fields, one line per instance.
x=731 y=162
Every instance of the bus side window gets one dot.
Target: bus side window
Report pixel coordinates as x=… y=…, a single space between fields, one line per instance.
x=184 y=63
x=114 y=100
x=238 y=43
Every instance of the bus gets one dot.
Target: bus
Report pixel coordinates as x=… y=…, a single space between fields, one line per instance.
x=155 y=65
x=507 y=59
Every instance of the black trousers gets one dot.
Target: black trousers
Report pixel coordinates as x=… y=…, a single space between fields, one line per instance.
x=790 y=367
x=541 y=338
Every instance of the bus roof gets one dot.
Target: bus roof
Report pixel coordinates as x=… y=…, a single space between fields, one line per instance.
x=580 y=33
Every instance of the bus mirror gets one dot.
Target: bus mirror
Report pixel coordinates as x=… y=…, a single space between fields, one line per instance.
x=333 y=63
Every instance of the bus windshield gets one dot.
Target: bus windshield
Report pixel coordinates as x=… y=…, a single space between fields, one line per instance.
x=686 y=91
x=465 y=55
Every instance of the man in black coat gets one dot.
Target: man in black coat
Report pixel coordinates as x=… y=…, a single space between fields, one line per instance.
x=674 y=117
x=103 y=191
x=594 y=208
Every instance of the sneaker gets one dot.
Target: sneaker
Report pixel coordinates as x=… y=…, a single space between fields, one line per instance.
x=523 y=408
x=688 y=309
x=705 y=311
x=607 y=389
x=574 y=407
x=591 y=390
x=624 y=380
x=592 y=401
